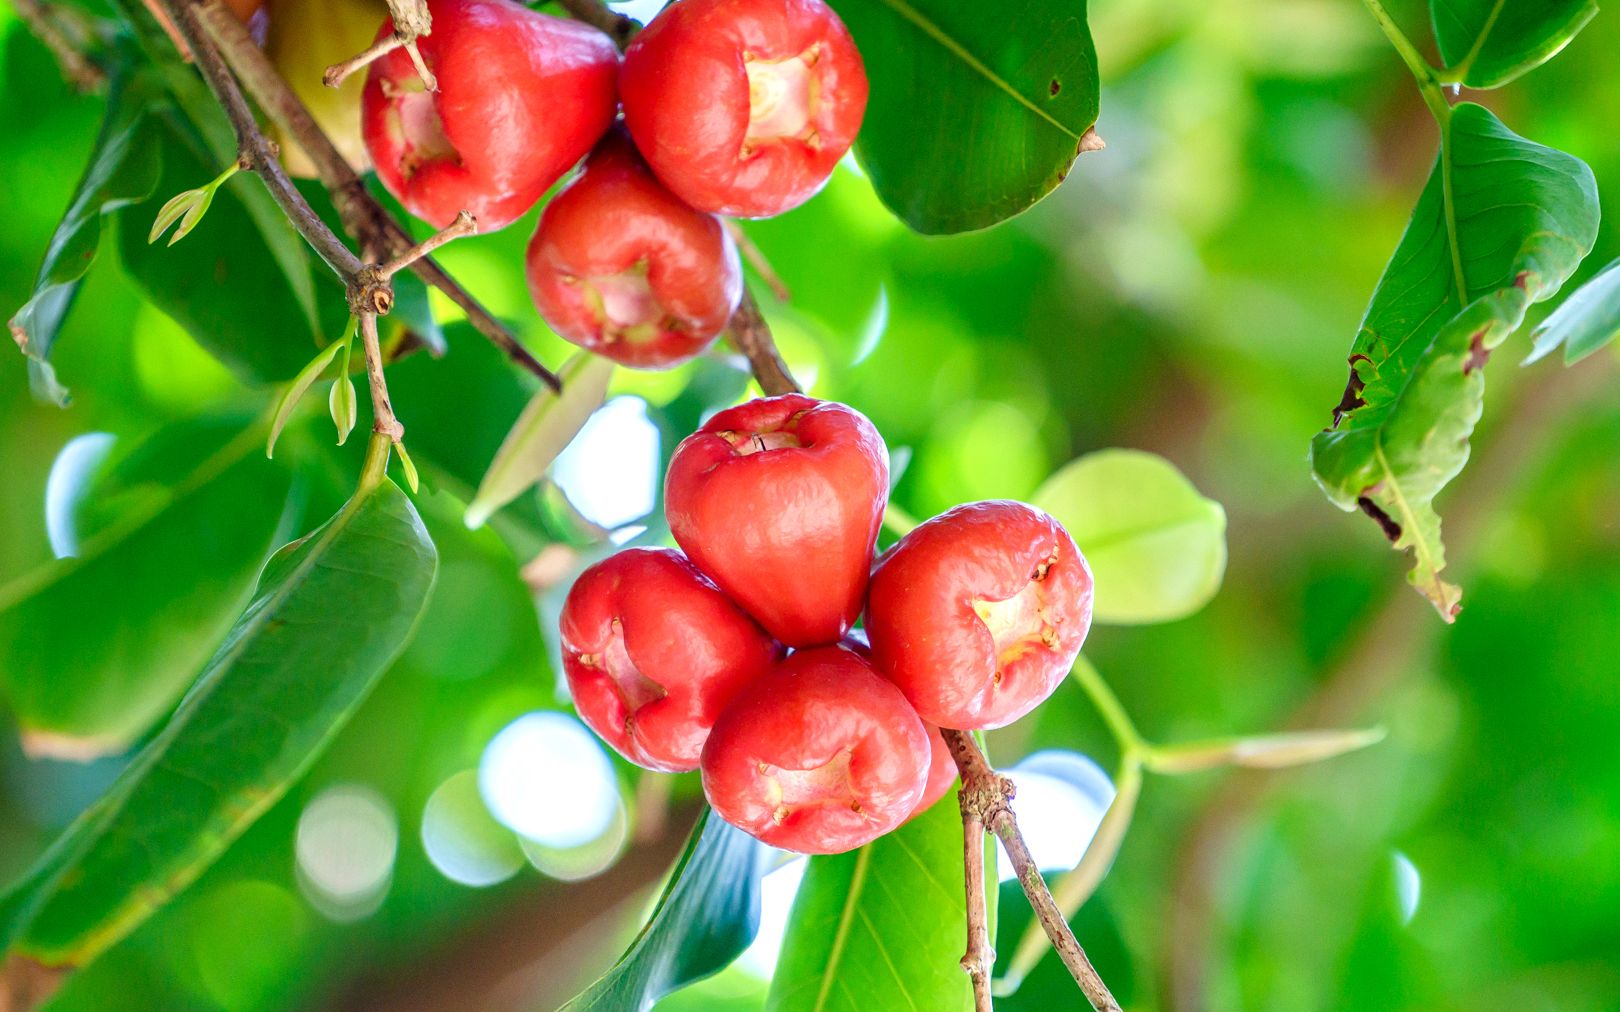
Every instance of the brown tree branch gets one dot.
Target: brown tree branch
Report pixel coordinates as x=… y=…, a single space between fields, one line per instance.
x=363 y=218
x=412 y=20
x=986 y=800
x=620 y=28
x=77 y=68
x=980 y=959
x=752 y=336
x=1368 y=666
x=755 y=258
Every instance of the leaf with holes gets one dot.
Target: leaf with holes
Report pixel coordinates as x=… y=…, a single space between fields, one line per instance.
x=977 y=111
x=881 y=927
x=1156 y=547
x=1487 y=43
x=1586 y=321
x=706 y=917
x=286 y=679
x=123 y=169
x=1502 y=223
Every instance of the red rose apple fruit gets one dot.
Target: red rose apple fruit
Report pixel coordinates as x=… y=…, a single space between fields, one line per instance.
x=621 y=266
x=819 y=756
x=979 y=613
x=653 y=654
x=522 y=96
x=779 y=502
x=743 y=107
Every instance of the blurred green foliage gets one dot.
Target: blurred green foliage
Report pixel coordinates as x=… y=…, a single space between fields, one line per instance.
x=1191 y=291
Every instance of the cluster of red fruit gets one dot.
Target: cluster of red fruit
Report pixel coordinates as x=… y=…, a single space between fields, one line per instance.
x=734 y=107
x=681 y=661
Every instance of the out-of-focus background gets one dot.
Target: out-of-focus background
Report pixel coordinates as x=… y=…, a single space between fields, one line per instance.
x=1192 y=291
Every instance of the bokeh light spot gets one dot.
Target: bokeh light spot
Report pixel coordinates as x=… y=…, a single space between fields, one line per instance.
x=545 y=778
x=65 y=488
x=347 y=840
x=462 y=838
x=610 y=497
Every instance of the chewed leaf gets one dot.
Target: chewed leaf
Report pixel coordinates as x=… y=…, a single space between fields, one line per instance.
x=546 y=426
x=1587 y=320
x=1523 y=216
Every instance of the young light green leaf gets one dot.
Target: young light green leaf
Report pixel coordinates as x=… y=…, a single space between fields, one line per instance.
x=1586 y=321
x=177 y=205
x=408 y=466
x=286 y=679
x=1502 y=223
x=546 y=426
x=345 y=409
x=977 y=111
x=297 y=389
x=1157 y=548
x=705 y=918
x=170 y=537
x=1487 y=43
x=193 y=215
x=123 y=169
x=1265 y=752
x=881 y=927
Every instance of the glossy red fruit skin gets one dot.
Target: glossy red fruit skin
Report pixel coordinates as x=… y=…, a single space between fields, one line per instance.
x=942 y=771
x=686 y=95
x=651 y=608
x=928 y=637
x=786 y=531
x=616 y=221
x=522 y=96
x=820 y=756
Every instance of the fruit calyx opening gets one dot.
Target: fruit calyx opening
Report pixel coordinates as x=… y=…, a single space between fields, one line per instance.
x=782 y=99
x=785 y=436
x=421 y=131
x=625 y=306
x=634 y=688
x=1020 y=623
x=824 y=785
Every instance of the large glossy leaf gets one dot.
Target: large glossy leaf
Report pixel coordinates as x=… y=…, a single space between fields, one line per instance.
x=123 y=168
x=1157 y=548
x=977 y=110
x=332 y=611
x=97 y=647
x=705 y=919
x=241 y=284
x=1501 y=224
x=1586 y=321
x=1487 y=43
x=882 y=927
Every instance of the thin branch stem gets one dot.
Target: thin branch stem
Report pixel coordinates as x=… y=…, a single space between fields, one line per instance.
x=464 y=224
x=77 y=68
x=752 y=336
x=412 y=20
x=383 y=421
x=1428 y=80
x=988 y=795
x=756 y=259
x=255 y=150
x=337 y=73
x=363 y=218
x=980 y=959
x=1108 y=705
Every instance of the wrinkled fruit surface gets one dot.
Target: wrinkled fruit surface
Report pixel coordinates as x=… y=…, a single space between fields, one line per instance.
x=654 y=652
x=978 y=614
x=621 y=266
x=522 y=97
x=743 y=107
x=820 y=756
x=779 y=501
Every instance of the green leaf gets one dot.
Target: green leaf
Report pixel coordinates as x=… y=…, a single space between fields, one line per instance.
x=705 y=918
x=976 y=110
x=1157 y=548
x=297 y=389
x=333 y=609
x=243 y=288
x=101 y=645
x=1586 y=321
x=1502 y=223
x=344 y=407
x=1261 y=752
x=123 y=169
x=1487 y=43
x=546 y=426
x=882 y=927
